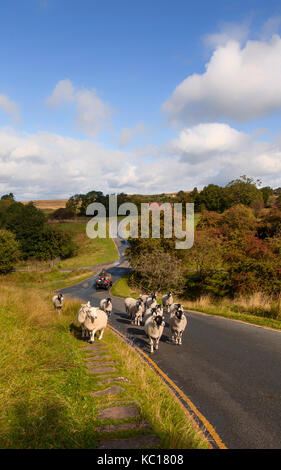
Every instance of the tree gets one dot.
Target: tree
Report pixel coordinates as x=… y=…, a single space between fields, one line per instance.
x=213 y=198
x=267 y=191
x=238 y=218
x=242 y=191
x=9 y=251
x=157 y=270
x=8 y=196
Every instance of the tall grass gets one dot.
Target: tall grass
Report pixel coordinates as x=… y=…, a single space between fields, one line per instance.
x=43 y=381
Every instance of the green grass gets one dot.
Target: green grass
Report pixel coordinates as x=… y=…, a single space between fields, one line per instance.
x=225 y=312
x=91 y=251
x=122 y=289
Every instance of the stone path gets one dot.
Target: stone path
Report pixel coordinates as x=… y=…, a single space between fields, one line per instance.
x=122 y=408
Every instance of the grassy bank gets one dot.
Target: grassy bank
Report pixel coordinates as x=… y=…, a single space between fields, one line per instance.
x=44 y=383
x=240 y=309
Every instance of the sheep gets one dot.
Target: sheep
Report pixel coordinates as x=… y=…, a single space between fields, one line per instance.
x=133 y=305
x=178 y=324
x=148 y=313
x=96 y=320
x=106 y=306
x=81 y=317
x=158 y=310
x=136 y=314
x=129 y=302
x=151 y=301
x=175 y=307
x=58 y=302
x=167 y=301
x=154 y=327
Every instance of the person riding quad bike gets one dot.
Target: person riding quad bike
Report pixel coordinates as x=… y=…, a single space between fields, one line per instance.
x=103 y=280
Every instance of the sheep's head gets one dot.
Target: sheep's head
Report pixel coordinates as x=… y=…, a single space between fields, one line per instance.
x=170 y=294
x=179 y=314
x=159 y=309
x=154 y=311
x=60 y=297
x=159 y=320
x=153 y=296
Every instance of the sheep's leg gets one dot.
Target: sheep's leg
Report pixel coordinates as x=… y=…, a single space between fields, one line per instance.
x=151 y=345
x=157 y=343
x=92 y=337
x=180 y=338
x=101 y=334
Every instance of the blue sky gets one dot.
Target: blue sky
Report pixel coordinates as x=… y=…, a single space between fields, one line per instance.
x=137 y=96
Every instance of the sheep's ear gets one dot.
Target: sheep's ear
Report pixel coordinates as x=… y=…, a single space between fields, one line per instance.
x=88 y=304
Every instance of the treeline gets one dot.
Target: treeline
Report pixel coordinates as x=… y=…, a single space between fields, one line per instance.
x=26 y=234
x=212 y=198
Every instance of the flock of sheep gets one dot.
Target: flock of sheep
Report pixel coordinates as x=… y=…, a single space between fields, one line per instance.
x=144 y=310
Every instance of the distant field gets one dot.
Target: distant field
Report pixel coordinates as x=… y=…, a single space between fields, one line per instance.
x=51 y=204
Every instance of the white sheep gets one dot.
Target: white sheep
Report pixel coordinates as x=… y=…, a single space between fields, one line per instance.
x=178 y=324
x=151 y=301
x=96 y=320
x=158 y=310
x=167 y=301
x=136 y=314
x=133 y=305
x=58 y=302
x=175 y=307
x=154 y=327
x=81 y=317
x=106 y=306
x=148 y=313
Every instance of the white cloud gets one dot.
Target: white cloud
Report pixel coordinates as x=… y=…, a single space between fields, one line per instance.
x=129 y=133
x=9 y=107
x=240 y=83
x=63 y=92
x=222 y=153
x=93 y=115
x=229 y=31
x=47 y=166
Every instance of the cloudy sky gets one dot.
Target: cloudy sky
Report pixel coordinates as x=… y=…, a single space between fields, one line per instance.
x=138 y=96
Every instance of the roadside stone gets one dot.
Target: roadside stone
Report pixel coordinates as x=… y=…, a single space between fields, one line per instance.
x=119 y=412
x=124 y=427
x=102 y=370
x=92 y=365
x=96 y=360
x=148 y=440
x=114 y=390
x=114 y=379
x=93 y=347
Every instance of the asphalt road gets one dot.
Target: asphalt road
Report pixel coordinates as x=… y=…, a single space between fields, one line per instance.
x=231 y=371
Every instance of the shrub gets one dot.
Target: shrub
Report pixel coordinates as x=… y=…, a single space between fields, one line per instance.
x=62 y=214
x=9 y=251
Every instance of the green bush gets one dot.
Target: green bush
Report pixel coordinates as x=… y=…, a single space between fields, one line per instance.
x=9 y=251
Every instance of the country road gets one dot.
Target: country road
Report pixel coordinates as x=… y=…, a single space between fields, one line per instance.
x=231 y=371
